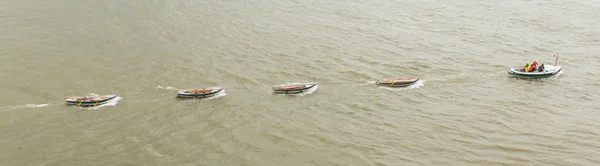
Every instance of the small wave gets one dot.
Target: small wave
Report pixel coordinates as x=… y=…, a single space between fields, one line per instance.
x=112 y=102
x=167 y=88
x=154 y=152
x=6 y=108
x=154 y=100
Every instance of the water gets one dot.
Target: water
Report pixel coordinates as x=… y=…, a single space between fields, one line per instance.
x=466 y=110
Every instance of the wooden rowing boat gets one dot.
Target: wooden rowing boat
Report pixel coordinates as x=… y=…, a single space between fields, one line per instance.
x=200 y=92
x=294 y=88
x=397 y=82
x=89 y=100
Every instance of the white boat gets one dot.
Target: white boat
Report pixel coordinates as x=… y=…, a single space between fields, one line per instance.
x=549 y=71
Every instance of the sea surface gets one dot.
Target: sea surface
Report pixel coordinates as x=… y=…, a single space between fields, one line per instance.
x=466 y=110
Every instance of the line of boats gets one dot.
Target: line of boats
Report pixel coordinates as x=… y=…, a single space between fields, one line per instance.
x=211 y=91
x=297 y=88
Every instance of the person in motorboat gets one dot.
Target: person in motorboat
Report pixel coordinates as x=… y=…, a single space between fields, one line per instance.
x=541 y=68
x=533 y=66
x=526 y=67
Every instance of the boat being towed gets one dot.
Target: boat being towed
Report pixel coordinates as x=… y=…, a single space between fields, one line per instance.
x=294 y=88
x=549 y=71
x=200 y=92
x=89 y=100
x=397 y=82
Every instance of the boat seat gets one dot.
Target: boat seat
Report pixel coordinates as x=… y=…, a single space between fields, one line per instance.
x=199 y=91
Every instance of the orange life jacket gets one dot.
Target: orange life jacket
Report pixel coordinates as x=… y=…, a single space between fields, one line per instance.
x=532 y=66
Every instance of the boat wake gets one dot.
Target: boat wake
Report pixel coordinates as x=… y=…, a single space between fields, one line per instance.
x=490 y=75
x=112 y=102
x=8 y=108
x=417 y=84
x=368 y=83
x=219 y=95
x=450 y=77
x=556 y=75
x=166 y=88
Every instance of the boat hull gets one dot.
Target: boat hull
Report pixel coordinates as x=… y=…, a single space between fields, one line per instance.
x=548 y=72
x=213 y=92
x=283 y=90
x=386 y=82
x=106 y=99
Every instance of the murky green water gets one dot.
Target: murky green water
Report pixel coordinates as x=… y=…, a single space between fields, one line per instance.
x=465 y=111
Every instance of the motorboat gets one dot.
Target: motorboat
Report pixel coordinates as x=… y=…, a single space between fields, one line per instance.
x=548 y=71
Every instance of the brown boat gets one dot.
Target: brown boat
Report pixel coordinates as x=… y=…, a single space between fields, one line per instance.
x=397 y=82
x=200 y=92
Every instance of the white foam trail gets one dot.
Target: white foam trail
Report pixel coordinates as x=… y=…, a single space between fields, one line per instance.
x=155 y=152
x=557 y=74
x=8 y=108
x=219 y=95
x=554 y=77
x=36 y=105
x=449 y=77
x=417 y=84
x=157 y=100
x=112 y=102
x=23 y=106
x=168 y=87
x=490 y=75
x=368 y=83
